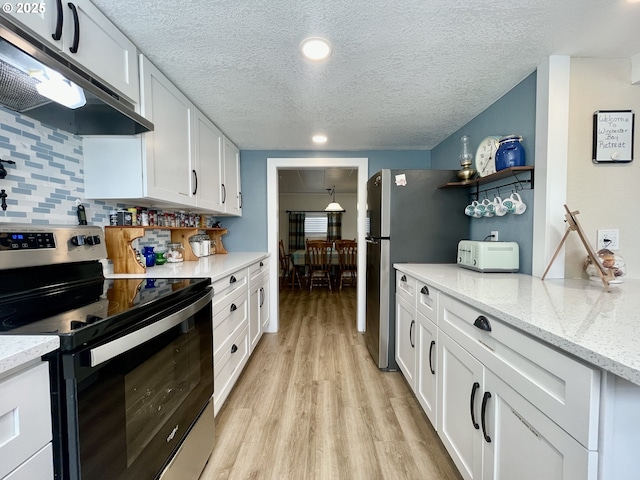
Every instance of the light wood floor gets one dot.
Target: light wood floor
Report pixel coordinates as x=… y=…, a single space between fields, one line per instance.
x=311 y=404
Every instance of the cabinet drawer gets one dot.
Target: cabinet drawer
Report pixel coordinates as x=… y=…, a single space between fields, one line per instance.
x=232 y=317
x=229 y=367
x=40 y=466
x=427 y=301
x=406 y=287
x=25 y=416
x=258 y=268
x=563 y=388
x=229 y=284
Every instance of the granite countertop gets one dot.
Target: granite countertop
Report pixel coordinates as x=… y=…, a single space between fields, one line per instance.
x=16 y=350
x=576 y=316
x=213 y=266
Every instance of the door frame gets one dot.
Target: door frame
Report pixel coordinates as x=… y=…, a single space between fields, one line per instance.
x=273 y=222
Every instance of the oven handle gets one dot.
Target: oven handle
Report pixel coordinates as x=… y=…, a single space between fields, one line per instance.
x=120 y=345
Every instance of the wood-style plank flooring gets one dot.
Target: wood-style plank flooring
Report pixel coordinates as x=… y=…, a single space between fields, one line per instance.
x=311 y=404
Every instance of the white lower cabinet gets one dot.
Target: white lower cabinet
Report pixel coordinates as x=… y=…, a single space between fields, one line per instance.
x=258 y=305
x=521 y=442
x=505 y=405
x=427 y=368
x=460 y=381
x=240 y=313
x=405 y=339
x=25 y=425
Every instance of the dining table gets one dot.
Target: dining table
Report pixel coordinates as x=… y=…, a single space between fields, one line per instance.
x=299 y=257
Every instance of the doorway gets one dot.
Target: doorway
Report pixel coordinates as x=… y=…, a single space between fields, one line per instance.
x=275 y=164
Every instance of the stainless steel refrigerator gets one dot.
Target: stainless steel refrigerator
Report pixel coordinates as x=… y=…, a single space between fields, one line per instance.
x=416 y=222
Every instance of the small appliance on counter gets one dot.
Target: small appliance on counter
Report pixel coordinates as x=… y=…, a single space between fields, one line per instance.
x=489 y=256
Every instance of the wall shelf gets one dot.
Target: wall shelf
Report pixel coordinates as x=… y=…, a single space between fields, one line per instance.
x=511 y=172
x=119 y=250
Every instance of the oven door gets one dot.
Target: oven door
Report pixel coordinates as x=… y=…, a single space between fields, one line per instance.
x=131 y=400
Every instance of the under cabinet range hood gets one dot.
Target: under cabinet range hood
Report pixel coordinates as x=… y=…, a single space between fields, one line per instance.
x=31 y=75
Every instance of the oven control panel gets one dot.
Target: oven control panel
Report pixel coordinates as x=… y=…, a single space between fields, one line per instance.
x=26 y=240
x=23 y=245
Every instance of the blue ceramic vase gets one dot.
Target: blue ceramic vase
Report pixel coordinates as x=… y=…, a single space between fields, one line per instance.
x=510 y=152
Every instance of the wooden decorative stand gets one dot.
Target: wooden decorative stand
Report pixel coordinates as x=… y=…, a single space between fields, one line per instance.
x=119 y=250
x=606 y=274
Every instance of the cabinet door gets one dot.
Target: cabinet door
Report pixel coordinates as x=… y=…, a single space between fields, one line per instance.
x=232 y=196
x=264 y=304
x=41 y=21
x=208 y=166
x=526 y=444
x=460 y=390
x=168 y=148
x=255 y=326
x=426 y=367
x=102 y=48
x=405 y=339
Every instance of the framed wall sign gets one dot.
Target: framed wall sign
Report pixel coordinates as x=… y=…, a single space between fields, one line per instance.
x=613 y=136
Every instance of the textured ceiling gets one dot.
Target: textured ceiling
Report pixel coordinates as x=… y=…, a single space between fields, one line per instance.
x=318 y=180
x=403 y=75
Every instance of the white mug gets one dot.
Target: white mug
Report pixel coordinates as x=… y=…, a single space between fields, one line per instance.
x=514 y=204
x=500 y=209
x=489 y=208
x=470 y=209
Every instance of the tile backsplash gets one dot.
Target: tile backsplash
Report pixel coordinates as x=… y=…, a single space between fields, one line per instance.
x=47 y=180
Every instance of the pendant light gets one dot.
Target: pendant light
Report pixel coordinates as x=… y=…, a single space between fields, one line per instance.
x=333 y=206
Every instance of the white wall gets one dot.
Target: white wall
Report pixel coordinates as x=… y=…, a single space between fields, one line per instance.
x=307 y=201
x=607 y=195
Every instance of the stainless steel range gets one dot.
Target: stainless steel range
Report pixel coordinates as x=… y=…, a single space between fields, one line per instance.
x=133 y=380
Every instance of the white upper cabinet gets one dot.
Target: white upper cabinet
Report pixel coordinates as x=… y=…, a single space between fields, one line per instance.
x=208 y=163
x=81 y=33
x=169 y=147
x=231 y=191
x=156 y=166
x=184 y=162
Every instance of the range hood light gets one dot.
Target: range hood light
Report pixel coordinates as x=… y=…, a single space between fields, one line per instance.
x=63 y=92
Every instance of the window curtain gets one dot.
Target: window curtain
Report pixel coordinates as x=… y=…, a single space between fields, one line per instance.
x=334 y=226
x=296 y=231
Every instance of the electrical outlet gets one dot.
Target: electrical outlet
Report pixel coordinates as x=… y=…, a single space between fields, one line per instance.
x=494 y=235
x=609 y=239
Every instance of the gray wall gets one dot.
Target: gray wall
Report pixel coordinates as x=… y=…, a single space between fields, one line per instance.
x=513 y=113
x=249 y=233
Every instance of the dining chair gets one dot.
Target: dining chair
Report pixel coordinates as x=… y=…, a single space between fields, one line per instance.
x=287 y=268
x=348 y=260
x=319 y=263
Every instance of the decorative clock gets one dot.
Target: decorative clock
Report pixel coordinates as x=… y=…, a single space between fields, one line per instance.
x=486 y=156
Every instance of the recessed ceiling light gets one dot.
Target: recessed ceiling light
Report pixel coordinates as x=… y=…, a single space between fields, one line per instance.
x=319 y=138
x=315 y=48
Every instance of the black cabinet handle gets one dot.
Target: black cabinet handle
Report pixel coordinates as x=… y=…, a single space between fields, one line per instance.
x=413 y=322
x=234 y=348
x=240 y=195
x=57 y=35
x=195 y=176
x=232 y=279
x=433 y=344
x=403 y=278
x=262 y=296
x=424 y=290
x=233 y=307
x=224 y=193
x=475 y=387
x=261 y=264
x=486 y=397
x=482 y=323
x=76 y=29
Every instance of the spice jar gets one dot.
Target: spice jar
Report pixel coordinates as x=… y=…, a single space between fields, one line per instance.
x=174 y=253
